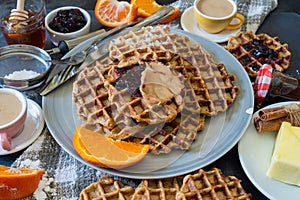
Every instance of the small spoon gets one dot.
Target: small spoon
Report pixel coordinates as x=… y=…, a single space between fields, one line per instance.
x=18 y=16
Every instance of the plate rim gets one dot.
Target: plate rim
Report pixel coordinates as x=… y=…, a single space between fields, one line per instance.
x=192 y=37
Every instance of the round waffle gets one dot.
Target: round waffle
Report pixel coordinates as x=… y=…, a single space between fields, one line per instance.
x=115 y=106
x=252 y=51
x=106 y=188
x=111 y=99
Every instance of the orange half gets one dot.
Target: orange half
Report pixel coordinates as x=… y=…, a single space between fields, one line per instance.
x=102 y=151
x=16 y=183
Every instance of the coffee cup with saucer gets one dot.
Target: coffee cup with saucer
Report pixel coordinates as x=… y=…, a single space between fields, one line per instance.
x=214 y=28
x=21 y=121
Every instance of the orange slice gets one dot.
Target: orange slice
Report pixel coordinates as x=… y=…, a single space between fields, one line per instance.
x=16 y=183
x=102 y=151
x=113 y=13
x=148 y=7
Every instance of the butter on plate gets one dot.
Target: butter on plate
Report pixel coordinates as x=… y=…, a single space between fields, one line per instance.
x=285 y=162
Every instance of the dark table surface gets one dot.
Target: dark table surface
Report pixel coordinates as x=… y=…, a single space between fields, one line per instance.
x=283 y=22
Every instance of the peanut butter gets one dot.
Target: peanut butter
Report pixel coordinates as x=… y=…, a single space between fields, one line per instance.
x=159 y=84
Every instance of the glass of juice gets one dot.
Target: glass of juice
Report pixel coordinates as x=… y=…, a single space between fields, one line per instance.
x=33 y=33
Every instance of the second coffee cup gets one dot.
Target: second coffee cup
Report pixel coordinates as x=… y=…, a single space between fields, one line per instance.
x=213 y=16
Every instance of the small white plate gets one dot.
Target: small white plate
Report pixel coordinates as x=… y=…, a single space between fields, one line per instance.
x=33 y=127
x=255 y=152
x=189 y=23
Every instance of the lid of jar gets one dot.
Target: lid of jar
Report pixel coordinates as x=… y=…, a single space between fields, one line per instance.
x=262 y=82
x=23 y=66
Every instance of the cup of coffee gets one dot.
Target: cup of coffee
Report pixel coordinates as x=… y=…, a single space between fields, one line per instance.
x=13 y=113
x=213 y=16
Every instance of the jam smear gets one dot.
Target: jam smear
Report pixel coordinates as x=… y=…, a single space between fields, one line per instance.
x=130 y=78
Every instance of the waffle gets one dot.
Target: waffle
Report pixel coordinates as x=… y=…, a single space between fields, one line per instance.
x=212 y=184
x=116 y=114
x=199 y=185
x=131 y=100
x=160 y=189
x=105 y=106
x=106 y=189
x=253 y=51
x=217 y=92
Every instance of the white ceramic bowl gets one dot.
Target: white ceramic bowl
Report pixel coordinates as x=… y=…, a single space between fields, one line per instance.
x=55 y=36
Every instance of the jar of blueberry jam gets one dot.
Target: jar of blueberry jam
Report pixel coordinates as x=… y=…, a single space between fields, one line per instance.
x=67 y=21
x=277 y=87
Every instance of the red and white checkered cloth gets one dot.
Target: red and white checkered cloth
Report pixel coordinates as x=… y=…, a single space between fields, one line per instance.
x=263 y=81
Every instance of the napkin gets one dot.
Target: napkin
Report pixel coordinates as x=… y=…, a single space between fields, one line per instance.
x=65 y=177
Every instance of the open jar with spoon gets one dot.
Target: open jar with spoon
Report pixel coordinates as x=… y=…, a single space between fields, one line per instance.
x=23 y=22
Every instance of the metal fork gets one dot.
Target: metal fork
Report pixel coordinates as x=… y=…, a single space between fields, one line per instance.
x=65 y=74
x=68 y=72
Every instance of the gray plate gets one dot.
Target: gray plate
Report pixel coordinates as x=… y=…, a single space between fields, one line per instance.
x=228 y=127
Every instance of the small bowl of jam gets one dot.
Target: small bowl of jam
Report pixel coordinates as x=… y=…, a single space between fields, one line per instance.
x=66 y=23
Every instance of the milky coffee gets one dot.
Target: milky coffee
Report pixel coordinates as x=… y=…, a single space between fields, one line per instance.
x=215 y=8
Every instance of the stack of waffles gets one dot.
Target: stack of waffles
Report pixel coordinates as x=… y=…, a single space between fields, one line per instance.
x=255 y=50
x=155 y=87
x=211 y=184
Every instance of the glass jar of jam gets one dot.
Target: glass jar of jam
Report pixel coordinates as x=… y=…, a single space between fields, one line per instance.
x=273 y=86
x=33 y=33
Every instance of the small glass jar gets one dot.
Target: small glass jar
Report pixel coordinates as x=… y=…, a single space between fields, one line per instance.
x=284 y=87
x=280 y=87
x=34 y=33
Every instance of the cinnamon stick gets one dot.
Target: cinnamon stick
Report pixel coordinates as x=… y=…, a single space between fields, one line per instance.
x=272 y=113
x=271 y=119
x=267 y=126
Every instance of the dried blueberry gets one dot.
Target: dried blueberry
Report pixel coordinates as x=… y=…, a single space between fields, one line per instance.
x=67 y=21
x=257 y=42
x=246 y=60
x=255 y=67
x=248 y=47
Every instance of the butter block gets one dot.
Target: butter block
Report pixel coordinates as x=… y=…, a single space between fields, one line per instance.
x=285 y=162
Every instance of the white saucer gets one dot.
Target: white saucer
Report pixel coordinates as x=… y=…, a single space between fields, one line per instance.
x=33 y=127
x=189 y=23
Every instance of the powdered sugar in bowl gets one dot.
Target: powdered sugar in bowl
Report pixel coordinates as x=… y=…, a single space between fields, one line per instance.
x=23 y=67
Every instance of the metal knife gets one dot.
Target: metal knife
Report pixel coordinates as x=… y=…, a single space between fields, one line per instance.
x=101 y=50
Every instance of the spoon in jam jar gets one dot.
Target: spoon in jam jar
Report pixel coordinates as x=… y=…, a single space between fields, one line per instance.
x=18 y=16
